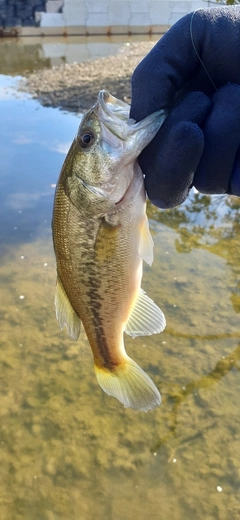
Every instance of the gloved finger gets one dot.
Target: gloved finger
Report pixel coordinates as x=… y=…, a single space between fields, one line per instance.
x=200 y=52
x=169 y=182
x=170 y=160
x=222 y=140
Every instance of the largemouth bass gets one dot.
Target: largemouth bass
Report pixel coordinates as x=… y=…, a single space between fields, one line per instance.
x=101 y=235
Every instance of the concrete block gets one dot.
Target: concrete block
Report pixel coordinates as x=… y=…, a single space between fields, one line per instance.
x=139 y=6
x=160 y=12
x=179 y=6
x=54 y=6
x=75 y=13
x=139 y=19
x=52 y=20
x=119 y=12
x=178 y=10
x=196 y=4
x=69 y=4
x=97 y=6
x=97 y=19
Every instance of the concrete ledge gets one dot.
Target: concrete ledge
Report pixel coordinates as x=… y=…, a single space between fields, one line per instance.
x=42 y=31
x=85 y=31
x=159 y=29
x=76 y=30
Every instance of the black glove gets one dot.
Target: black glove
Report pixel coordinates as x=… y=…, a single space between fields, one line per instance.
x=194 y=71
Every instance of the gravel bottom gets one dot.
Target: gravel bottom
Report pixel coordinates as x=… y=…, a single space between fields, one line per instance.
x=75 y=87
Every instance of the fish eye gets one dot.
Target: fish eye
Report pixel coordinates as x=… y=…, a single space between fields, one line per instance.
x=86 y=139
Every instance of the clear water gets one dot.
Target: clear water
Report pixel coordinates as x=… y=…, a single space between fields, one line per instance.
x=67 y=450
x=18 y=55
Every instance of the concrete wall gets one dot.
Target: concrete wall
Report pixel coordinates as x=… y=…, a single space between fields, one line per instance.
x=101 y=16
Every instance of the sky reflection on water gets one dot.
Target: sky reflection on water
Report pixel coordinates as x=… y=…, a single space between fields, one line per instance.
x=33 y=144
x=68 y=451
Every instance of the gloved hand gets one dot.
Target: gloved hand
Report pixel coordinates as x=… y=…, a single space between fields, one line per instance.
x=194 y=71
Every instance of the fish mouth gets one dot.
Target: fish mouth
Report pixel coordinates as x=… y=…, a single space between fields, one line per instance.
x=113 y=113
x=112 y=106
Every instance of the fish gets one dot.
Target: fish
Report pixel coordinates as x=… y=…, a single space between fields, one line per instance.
x=101 y=237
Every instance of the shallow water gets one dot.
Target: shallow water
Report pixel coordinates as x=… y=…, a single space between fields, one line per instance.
x=67 y=450
x=18 y=55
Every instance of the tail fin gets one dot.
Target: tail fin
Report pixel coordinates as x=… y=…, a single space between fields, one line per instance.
x=130 y=385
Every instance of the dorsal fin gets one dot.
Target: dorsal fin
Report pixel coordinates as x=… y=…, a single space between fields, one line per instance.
x=146 y=318
x=66 y=315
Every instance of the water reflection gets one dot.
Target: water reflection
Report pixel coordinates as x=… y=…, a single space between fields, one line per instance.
x=210 y=223
x=67 y=450
x=27 y=180
x=21 y=55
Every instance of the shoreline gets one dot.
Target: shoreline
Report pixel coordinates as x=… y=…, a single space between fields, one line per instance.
x=74 y=87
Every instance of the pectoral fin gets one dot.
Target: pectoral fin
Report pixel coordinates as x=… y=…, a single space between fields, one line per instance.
x=146 y=318
x=65 y=313
x=146 y=242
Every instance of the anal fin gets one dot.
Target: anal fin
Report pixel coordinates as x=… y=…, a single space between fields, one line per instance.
x=146 y=318
x=66 y=315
